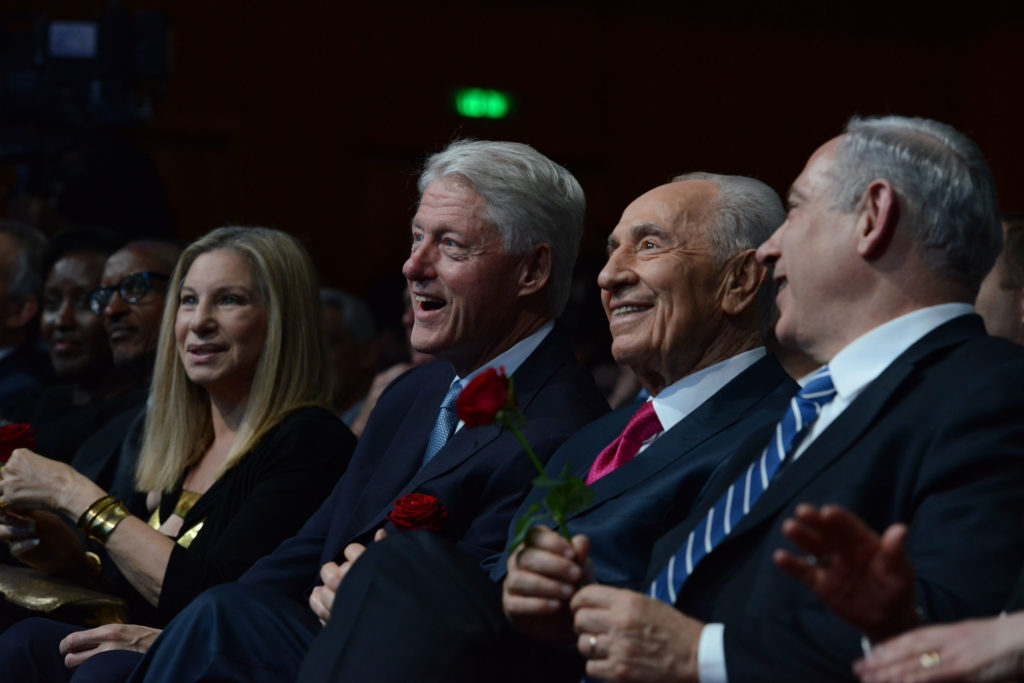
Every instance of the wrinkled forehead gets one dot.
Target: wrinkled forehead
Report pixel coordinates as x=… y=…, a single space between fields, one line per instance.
x=682 y=208
x=450 y=197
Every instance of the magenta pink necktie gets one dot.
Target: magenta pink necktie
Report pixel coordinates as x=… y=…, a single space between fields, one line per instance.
x=643 y=425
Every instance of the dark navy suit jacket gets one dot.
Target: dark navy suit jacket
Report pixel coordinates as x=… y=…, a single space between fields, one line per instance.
x=937 y=442
x=639 y=502
x=480 y=475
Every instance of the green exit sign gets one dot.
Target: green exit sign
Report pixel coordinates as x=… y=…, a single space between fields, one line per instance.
x=478 y=103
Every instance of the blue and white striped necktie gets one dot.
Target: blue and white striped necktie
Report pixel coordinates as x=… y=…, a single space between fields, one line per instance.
x=720 y=520
x=447 y=418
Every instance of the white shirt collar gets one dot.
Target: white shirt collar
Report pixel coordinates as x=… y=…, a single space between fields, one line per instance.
x=683 y=396
x=514 y=356
x=864 y=359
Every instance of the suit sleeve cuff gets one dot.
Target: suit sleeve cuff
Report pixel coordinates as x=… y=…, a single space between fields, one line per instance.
x=711 y=654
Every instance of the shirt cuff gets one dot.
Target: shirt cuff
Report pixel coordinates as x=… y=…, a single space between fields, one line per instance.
x=711 y=654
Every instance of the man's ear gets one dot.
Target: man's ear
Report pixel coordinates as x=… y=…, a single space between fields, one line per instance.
x=880 y=214
x=743 y=278
x=23 y=309
x=535 y=270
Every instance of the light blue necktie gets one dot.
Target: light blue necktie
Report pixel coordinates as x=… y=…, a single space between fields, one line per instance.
x=446 y=421
x=720 y=520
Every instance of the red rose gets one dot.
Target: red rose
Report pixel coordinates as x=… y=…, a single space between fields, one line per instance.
x=15 y=436
x=482 y=398
x=418 y=511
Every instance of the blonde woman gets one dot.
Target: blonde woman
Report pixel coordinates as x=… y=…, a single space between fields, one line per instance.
x=239 y=447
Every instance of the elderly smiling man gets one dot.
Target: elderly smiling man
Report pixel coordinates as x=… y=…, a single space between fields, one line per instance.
x=914 y=419
x=683 y=294
x=493 y=243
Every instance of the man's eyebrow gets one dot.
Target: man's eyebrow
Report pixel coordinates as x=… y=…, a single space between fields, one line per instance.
x=648 y=230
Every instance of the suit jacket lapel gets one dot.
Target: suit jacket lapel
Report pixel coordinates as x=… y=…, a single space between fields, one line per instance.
x=842 y=434
x=831 y=444
x=531 y=376
x=716 y=413
x=402 y=459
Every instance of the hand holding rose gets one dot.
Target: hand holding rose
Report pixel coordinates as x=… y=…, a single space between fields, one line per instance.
x=543 y=575
x=32 y=481
x=13 y=437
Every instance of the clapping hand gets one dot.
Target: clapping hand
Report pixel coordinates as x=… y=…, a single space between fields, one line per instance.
x=864 y=578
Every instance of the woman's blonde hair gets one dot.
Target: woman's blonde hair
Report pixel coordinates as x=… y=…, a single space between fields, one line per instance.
x=290 y=372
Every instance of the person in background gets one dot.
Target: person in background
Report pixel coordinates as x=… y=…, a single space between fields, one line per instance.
x=353 y=352
x=24 y=366
x=91 y=390
x=239 y=447
x=385 y=377
x=130 y=302
x=1000 y=300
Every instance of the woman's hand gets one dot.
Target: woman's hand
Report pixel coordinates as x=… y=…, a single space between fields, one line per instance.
x=80 y=645
x=42 y=540
x=31 y=481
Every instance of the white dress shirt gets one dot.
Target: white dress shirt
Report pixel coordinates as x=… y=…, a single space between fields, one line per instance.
x=683 y=396
x=852 y=370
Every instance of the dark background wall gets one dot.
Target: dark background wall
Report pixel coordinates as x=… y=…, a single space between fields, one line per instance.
x=313 y=116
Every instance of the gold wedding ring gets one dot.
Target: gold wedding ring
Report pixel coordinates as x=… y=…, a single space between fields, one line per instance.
x=593 y=647
x=930 y=660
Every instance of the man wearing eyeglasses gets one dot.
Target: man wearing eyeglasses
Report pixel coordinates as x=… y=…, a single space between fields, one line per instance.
x=131 y=301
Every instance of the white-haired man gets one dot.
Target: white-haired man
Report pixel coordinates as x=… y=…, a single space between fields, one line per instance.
x=915 y=418
x=494 y=240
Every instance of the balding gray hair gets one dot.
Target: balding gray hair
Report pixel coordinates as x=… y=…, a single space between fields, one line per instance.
x=746 y=213
x=530 y=200
x=944 y=185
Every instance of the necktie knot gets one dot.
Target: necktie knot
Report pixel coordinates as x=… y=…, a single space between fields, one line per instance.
x=819 y=389
x=447 y=418
x=642 y=426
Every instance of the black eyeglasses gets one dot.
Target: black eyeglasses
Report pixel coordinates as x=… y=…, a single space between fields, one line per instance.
x=131 y=289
